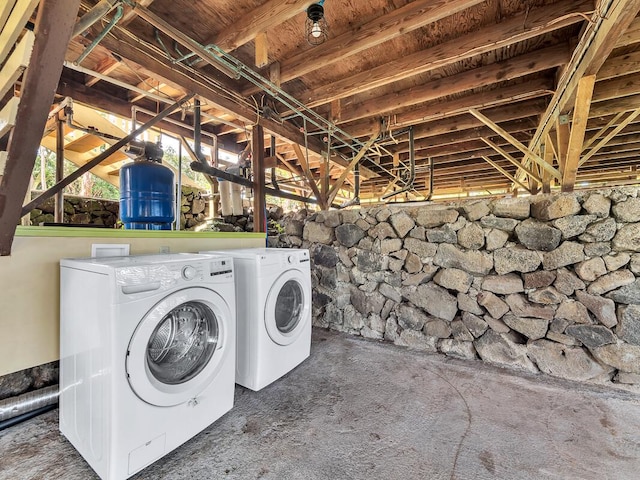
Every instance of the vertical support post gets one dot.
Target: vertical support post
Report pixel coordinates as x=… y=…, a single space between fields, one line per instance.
x=59 y=197
x=548 y=157
x=53 y=27
x=259 y=198
x=179 y=189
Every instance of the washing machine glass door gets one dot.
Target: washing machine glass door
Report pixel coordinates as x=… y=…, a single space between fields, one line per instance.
x=287 y=309
x=178 y=347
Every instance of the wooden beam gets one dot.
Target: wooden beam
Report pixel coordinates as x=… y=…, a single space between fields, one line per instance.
x=37 y=94
x=503 y=97
x=514 y=141
x=302 y=160
x=578 y=129
x=8 y=115
x=598 y=39
x=333 y=191
x=563 y=132
x=620 y=65
x=257 y=161
x=505 y=173
x=16 y=63
x=129 y=14
x=274 y=74
x=256 y=20
x=611 y=123
x=515 y=67
x=12 y=28
x=522 y=26
x=617 y=87
x=609 y=136
x=548 y=157
x=631 y=35
x=105 y=67
x=513 y=161
x=398 y=22
x=262 y=50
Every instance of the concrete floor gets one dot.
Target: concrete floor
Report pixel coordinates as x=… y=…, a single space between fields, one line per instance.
x=363 y=410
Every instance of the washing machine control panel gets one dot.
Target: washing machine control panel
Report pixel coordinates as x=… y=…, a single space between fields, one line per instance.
x=189 y=272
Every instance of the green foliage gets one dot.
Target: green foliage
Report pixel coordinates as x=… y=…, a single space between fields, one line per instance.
x=171 y=158
x=88 y=185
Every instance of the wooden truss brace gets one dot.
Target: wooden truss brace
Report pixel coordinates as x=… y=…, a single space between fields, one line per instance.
x=599 y=133
x=512 y=160
x=505 y=173
x=516 y=143
x=308 y=176
x=609 y=136
x=333 y=191
x=578 y=129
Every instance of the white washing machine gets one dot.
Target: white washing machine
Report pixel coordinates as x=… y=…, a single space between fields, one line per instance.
x=273 y=291
x=147 y=348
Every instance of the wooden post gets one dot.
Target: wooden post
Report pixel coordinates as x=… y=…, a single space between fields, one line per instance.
x=59 y=197
x=257 y=160
x=53 y=27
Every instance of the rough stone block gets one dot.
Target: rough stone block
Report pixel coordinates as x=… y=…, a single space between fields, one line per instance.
x=457 y=348
x=417 y=341
x=602 y=308
x=567 y=253
x=516 y=259
x=435 y=300
x=565 y=362
x=538 y=279
x=573 y=226
x=522 y=308
x=499 y=350
x=597 y=204
x=476 y=210
x=437 y=328
x=627 y=238
x=518 y=208
x=627 y=211
x=567 y=282
x=530 y=327
x=318 y=233
x=382 y=230
x=505 y=224
x=611 y=281
x=629 y=324
x=546 y=296
x=460 y=331
x=628 y=294
x=494 y=305
x=616 y=261
x=476 y=325
x=349 y=234
x=591 y=336
x=591 y=269
x=620 y=355
x=453 y=279
x=469 y=304
x=537 y=235
x=600 y=231
x=495 y=239
x=402 y=223
x=471 y=236
x=503 y=284
x=474 y=262
x=573 y=311
x=435 y=217
x=420 y=248
x=552 y=207
x=496 y=325
x=443 y=234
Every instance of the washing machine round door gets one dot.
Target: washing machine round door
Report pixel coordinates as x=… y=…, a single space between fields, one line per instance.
x=179 y=346
x=288 y=307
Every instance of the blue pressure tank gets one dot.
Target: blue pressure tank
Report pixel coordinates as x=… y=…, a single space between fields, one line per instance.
x=147 y=196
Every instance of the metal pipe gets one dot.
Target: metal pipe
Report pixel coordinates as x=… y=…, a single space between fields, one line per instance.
x=153 y=96
x=175 y=122
x=107 y=153
x=112 y=23
x=272 y=152
x=92 y=16
x=179 y=189
x=216 y=172
x=27 y=402
x=59 y=197
x=412 y=168
x=197 y=129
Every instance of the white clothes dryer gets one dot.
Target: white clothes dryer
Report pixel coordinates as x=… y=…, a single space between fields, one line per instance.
x=273 y=292
x=147 y=349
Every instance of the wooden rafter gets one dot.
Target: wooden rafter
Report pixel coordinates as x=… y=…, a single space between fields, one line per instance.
x=599 y=39
x=578 y=129
x=398 y=22
x=516 y=67
x=337 y=185
x=514 y=141
x=505 y=173
x=609 y=136
x=302 y=160
x=512 y=160
x=523 y=26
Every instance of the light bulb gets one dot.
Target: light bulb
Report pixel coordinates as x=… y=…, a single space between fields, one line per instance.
x=316 y=31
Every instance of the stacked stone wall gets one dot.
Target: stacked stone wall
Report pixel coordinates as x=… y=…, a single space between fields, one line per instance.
x=541 y=284
x=101 y=212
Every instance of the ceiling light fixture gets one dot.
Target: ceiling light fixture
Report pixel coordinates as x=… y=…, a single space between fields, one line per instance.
x=316 y=26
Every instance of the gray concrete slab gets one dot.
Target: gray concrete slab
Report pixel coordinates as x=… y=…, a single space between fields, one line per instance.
x=364 y=410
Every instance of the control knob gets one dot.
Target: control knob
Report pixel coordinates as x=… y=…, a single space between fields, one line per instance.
x=189 y=272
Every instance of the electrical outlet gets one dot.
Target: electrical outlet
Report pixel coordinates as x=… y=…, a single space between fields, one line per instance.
x=165 y=250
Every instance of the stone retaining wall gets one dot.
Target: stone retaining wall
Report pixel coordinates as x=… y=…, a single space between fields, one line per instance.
x=100 y=212
x=542 y=284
